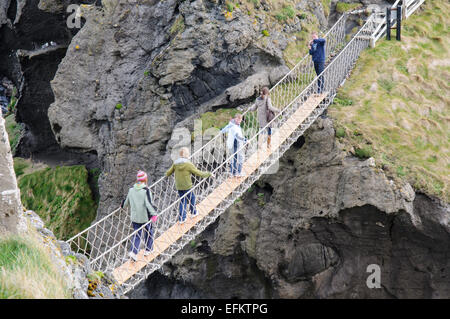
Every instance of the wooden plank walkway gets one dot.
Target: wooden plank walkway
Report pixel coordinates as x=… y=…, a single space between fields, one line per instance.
x=129 y=268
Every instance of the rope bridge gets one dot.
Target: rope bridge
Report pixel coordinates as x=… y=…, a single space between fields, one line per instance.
x=108 y=241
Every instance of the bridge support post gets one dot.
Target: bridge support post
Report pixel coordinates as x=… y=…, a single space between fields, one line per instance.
x=399 y=23
x=372 y=42
x=388 y=23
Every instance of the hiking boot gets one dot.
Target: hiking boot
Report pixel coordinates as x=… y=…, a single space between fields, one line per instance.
x=148 y=252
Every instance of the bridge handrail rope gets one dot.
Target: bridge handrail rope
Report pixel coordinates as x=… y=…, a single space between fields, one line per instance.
x=204 y=181
x=338 y=24
x=277 y=120
x=106 y=242
x=226 y=162
x=288 y=109
x=198 y=185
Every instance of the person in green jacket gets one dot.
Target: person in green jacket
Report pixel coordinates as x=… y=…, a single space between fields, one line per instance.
x=183 y=169
x=139 y=199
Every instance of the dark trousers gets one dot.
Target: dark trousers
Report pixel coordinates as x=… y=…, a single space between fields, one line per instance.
x=145 y=234
x=319 y=67
x=236 y=165
x=189 y=199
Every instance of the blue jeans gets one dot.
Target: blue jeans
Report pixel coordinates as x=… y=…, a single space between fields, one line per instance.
x=188 y=199
x=236 y=164
x=147 y=237
x=319 y=67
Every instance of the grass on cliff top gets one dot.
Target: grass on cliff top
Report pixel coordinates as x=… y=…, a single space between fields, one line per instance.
x=14 y=131
x=342 y=7
x=27 y=270
x=61 y=196
x=280 y=13
x=217 y=119
x=396 y=107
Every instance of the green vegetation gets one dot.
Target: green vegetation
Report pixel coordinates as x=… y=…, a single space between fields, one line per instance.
x=71 y=259
x=217 y=119
x=20 y=165
x=60 y=196
x=342 y=7
x=364 y=152
x=302 y=15
x=27 y=271
x=178 y=26
x=12 y=103
x=340 y=132
x=230 y=6
x=344 y=101
x=326 y=4
x=96 y=276
x=14 y=131
x=297 y=49
x=276 y=14
x=396 y=103
x=287 y=12
x=221 y=117
x=260 y=200
x=119 y=106
x=24 y=166
x=386 y=84
x=95 y=175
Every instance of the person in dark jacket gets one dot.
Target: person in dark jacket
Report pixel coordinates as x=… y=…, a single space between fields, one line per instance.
x=317 y=51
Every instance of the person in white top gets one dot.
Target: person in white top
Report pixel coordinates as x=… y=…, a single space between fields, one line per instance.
x=235 y=141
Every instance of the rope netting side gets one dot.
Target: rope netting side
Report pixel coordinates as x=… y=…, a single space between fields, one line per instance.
x=332 y=77
x=116 y=225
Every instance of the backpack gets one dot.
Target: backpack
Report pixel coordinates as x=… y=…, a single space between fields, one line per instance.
x=269 y=114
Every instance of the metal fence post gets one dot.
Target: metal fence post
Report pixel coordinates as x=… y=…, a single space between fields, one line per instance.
x=388 y=23
x=399 y=23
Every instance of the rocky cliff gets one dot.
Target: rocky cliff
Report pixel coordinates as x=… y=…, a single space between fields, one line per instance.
x=10 y=204
x=311 y=230
x=134 y=72
x=78 y=278
x=33 y=42
x=139 y=69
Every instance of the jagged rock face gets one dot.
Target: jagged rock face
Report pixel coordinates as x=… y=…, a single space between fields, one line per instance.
x=4 y=5
x=24 y=30
x=133 y=72
x=36 y=97
x=312 y=229
x=10 y=205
